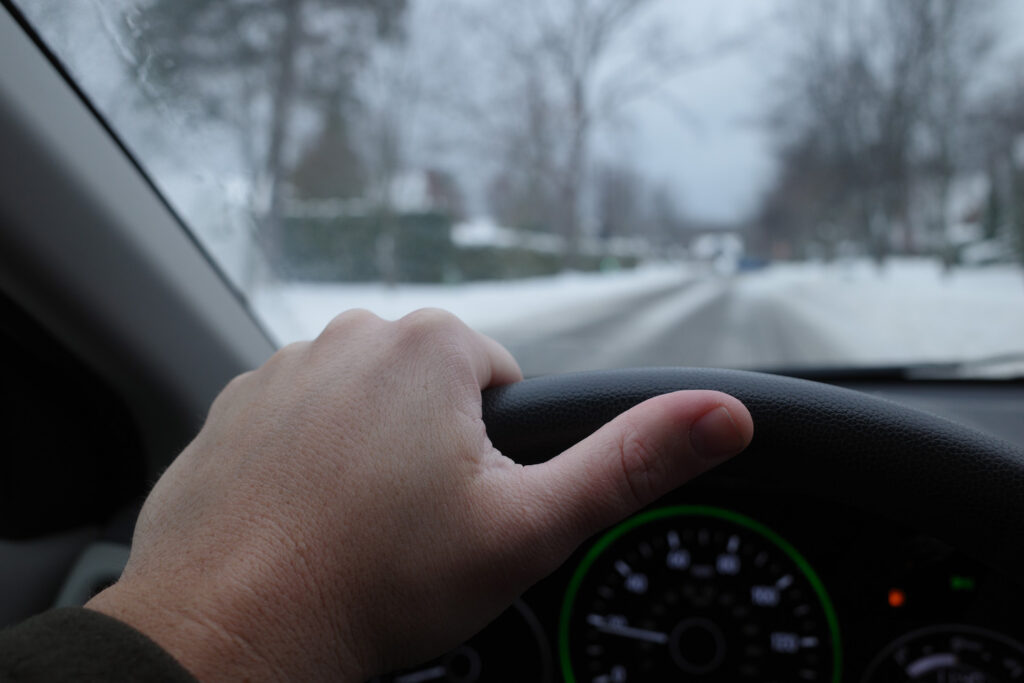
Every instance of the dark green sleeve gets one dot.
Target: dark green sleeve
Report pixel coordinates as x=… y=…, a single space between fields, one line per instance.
x=75 y=644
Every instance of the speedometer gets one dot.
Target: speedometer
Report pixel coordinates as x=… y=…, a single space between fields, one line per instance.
x=696 y=592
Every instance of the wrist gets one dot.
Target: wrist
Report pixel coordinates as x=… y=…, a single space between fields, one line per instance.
x=209 y=651
x=223 y=637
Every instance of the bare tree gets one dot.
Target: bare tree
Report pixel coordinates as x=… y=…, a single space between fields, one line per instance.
x=523 y=193
x=997 y=134
x=621 y=199
x=962 y=38
x=666 y=223
x=257 y=65
x=565 y=69
x=876 y=93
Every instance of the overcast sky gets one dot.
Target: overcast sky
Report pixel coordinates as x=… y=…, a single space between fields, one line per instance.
x=710 y=147
x=716 y=154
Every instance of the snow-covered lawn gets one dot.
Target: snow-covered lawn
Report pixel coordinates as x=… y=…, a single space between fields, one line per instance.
x=908 y=312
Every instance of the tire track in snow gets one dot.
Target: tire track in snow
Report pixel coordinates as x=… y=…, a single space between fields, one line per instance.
x=582 y=337
x=620 y=336
x=708 y=323
x=746 y=328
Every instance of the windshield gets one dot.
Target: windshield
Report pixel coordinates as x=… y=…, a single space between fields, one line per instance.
x=595 y=183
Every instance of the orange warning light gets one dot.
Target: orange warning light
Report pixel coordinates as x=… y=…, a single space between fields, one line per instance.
x=896 y=597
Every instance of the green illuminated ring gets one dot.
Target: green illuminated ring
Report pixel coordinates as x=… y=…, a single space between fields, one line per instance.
x=693 y=511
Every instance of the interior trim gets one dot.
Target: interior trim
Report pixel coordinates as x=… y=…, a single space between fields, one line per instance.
x=91 y=250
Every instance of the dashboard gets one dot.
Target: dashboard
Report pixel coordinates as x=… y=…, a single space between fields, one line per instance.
x=727 y=579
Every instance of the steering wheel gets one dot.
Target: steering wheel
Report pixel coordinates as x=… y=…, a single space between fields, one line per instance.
x=938 y=476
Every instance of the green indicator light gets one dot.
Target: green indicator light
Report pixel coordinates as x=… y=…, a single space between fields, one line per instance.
x=961 y=583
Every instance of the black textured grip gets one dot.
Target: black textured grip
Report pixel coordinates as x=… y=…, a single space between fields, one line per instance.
x=940 y=477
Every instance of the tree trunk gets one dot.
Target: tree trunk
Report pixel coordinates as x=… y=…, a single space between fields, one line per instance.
x=281 y=109
x=574 y=177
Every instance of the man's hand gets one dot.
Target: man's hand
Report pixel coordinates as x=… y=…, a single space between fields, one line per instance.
x=342 y=511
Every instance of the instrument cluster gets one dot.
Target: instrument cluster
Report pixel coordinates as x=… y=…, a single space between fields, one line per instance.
x=724 y=581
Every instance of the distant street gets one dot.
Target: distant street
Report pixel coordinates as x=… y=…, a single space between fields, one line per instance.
x=706 y=322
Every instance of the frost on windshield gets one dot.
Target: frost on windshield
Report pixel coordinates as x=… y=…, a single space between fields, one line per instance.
x=594 y=182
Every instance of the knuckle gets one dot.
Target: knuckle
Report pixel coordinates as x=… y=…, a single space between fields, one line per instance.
x=430 y=318
x=285 y=354
x=642 y=467
x=345 y=322
x=428 y=323
x=292 y=350
x=234 y=387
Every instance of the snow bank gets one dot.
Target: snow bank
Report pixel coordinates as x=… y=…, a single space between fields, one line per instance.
x=300 y=310
x=908 y=312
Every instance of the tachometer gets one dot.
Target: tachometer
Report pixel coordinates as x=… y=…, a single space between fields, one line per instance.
x=696 y=592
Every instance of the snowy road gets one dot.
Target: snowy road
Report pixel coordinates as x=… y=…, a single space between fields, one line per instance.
x=714 y=323
x=787 y=316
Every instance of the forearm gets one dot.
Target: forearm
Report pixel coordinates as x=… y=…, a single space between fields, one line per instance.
x=79 y=644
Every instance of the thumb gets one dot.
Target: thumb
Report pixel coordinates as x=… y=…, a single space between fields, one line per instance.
x=635 y=459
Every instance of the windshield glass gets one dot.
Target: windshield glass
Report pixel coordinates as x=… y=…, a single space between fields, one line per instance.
x=595 y=183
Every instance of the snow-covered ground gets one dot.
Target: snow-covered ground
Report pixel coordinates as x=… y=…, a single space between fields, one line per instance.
x=909 y=312
x=804 y=314
x=300 y=310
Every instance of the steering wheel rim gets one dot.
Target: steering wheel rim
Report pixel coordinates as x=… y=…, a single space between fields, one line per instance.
x=943 y=478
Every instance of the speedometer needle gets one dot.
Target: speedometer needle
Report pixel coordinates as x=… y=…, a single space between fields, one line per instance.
x=617 y=629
